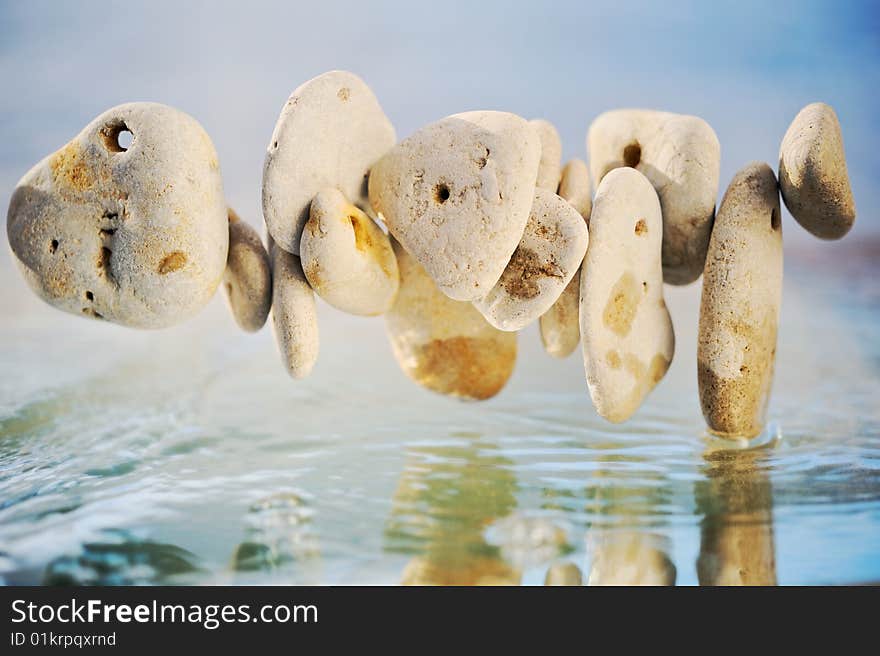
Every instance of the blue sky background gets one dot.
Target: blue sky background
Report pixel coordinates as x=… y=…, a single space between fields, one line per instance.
x=746 y=67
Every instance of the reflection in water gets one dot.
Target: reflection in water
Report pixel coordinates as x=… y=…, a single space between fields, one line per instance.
x=280 y=536
x=446 y=497
x=736 y=533
x=631 y=557
x=625 y=545
x=121 y=560
x=564 y=574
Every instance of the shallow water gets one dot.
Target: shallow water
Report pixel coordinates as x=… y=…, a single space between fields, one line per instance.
x=188 y=456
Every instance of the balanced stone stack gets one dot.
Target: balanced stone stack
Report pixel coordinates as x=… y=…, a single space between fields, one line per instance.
x=461 y=235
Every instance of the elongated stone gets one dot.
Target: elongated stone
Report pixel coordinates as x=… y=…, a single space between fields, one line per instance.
x=739 y=311
x=457 y=196
x=626 y=331
x=248 y=277
x=442 y=344
x=812 y=173
x=294 y=315
x=133 y=232
x=549 y=254
x=329 y=134
x=681 y=157
x=560 y=325
x=347 y=258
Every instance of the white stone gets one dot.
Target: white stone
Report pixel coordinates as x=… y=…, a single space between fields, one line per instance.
x=550 y=168
x=442 y=344
x=329 y=134
x=812 y=173
x=626 y=331
x=248 y=277
x=560 y=325
x=294 y=315
x=681 y=157
x=457 y=195
x=346 y=257
x=131 y=233
x=739 y=311
x=549 y=254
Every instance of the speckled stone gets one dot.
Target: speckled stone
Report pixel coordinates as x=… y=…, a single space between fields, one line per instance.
x=626 y=331
x=248 y=277
x=812 y=173
x=550 y=252
x=457 y=196
x=739 y=311
x=131 y=233
x=681 y=157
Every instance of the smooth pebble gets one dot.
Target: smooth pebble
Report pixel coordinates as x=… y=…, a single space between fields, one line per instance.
x=626 y=331
x=739 y=311
x=248 y=277
x=294 y=315
x=681 y=157
x=133 y=232
x=457 y=196
x=549 y=254
x=812 y=173
x=346 y=257
x=329 y=134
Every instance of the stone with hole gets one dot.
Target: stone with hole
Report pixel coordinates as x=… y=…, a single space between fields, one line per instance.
x=329 y=134
x=812 y=173
x=681 y=157
x=550 y=167
x=739 y=311
x=294 y=315
x=129 y=232
x=560 y=325
x=626 y=331
x=443 y=344
x=457 y=195
x=248 y=277
x=347 y=258
x=550 y=251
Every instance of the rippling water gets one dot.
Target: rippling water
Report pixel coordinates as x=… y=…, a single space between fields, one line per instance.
x=188 y=456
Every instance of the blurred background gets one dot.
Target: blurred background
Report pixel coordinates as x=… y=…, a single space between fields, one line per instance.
x=188 y=455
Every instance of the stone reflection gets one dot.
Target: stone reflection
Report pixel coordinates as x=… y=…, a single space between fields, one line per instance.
x=564 y=574
x=446 y=497
x=736 y=533
x=280 y=538
x=625 y=541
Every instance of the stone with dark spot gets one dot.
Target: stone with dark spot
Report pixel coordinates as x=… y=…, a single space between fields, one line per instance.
x=134 y=235
x=627 y=335
x=457 y=194
x=550 y=251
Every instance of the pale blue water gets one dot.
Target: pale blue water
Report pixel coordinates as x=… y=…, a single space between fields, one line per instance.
x=188 y=456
